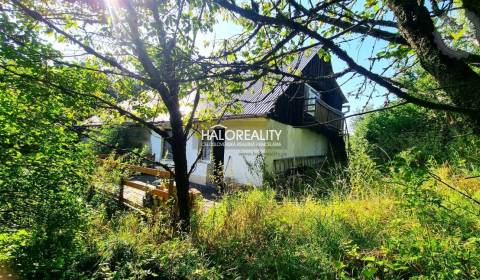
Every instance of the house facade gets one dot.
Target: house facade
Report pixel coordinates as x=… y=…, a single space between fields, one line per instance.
x=295 y=125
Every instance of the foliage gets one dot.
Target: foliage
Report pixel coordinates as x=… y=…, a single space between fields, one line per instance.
x=128 y=246
x=45 y=168
x=415 y=136
x=44 y=176
x=252 y=235
x=120 y=138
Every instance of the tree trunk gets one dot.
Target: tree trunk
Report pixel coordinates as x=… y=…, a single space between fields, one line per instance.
x=178 y=142
x=473 y=6
x=455 y=76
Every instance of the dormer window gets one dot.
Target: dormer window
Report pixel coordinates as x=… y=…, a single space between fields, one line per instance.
x=311 y=97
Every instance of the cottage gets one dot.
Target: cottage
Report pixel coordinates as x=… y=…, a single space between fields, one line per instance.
x=293 y=126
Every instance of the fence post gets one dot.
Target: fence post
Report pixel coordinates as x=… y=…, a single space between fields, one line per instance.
x=120 y=191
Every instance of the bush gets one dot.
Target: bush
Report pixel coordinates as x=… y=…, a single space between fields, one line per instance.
x=128 y=246
x=427 y=136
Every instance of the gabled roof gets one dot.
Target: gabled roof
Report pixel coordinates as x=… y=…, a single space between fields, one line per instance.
x=255 y=102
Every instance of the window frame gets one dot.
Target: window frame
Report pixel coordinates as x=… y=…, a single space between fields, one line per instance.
x=311 y=97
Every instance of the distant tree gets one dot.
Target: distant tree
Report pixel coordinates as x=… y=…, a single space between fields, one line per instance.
x=121 y=139
x=425 y=134
x=406 y=127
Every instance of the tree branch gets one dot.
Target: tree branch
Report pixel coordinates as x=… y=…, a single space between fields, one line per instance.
x=192 y=114
x=37 y=16
x=340 y=53
x=119 y=109
x=352 y=27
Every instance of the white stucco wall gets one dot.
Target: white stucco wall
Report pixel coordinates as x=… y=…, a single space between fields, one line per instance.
x=193 y=146
x=156 y=145
x=238 y=162
x=199 y=175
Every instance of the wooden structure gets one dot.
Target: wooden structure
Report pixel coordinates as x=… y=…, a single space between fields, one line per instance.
x=139 y=194
x=288 y=165
x=150 y=171
x=328 y=115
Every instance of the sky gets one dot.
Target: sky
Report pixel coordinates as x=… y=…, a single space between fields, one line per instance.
x=358 y=49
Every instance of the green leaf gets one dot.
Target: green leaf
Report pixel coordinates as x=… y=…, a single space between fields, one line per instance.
x=458 y=35
x=369 y=272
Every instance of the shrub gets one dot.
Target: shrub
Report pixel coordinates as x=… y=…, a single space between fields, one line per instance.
x=427 y=136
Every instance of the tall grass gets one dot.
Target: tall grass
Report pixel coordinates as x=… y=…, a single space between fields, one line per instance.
x=418 y=229
x=254 y=235
x=385 y=235
x=353 y=223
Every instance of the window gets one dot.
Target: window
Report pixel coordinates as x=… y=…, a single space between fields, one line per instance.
x=311 y=97
x=207 y=149
x=166 y=150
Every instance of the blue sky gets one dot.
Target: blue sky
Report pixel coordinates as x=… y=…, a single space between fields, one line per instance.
x=358 y=49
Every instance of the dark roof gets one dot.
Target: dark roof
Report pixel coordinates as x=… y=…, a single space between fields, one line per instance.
x=256 y=102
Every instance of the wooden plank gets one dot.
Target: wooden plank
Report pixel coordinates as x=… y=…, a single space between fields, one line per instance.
x=134 y=195
x=160 y=193
x=131 y=199
x=139 y=185
x=151 y=171
x=147 y=188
